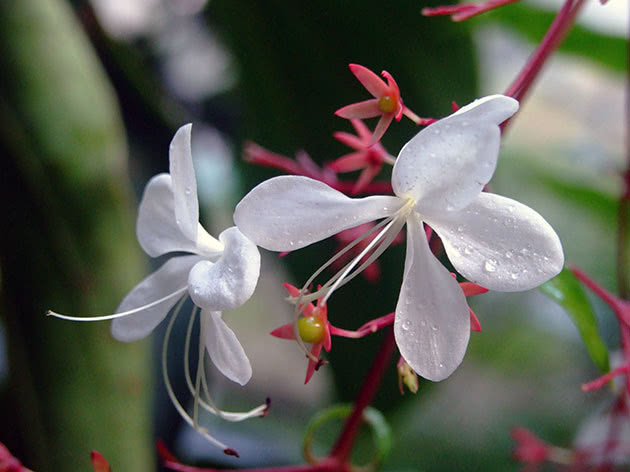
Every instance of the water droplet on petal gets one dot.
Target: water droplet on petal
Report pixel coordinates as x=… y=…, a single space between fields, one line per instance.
x=434 y=328
x=508 y=254
x=490 y=265
x=187 y=191
x=514 y=276
x=468 y=250
x=406 y=325
x=460 y=228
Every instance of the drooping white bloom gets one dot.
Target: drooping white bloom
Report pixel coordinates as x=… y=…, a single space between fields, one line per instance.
x=438 y=178
x=218 y=275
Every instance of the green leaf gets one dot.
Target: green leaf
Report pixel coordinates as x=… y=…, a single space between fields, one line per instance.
x=565 y=290
x=533 y=22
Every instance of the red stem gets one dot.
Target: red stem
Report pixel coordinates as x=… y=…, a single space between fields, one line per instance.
x=556 y=32
x=343 y=447
x=623 y=230
x=324 y=466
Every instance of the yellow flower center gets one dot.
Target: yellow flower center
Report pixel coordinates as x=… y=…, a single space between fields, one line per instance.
x=311 y=329
x=387 y=104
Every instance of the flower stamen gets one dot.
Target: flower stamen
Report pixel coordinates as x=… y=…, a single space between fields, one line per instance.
x=169 y=388
x=176 y=293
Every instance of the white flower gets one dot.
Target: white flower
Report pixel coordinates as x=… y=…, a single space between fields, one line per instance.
x=218 y=275
x=438 y=179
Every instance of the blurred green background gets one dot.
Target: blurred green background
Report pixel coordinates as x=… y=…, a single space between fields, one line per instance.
x=90 y=96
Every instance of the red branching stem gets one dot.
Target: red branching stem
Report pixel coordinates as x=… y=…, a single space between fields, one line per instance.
x=258 y=155
x=604 y=379
x=324 y=466
x=370 y=327
x=625 y=342
x=343 y=447
x=623 y=225
x=620 y=307
x=465 y=11
x=556 y=32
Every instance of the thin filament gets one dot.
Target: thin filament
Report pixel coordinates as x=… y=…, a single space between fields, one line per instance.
x=304 y=298
x=356 y=260
x=167 y=383
x=176 y=293
x=208 y=404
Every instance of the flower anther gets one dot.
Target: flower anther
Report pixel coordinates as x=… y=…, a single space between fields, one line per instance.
x=437 y=179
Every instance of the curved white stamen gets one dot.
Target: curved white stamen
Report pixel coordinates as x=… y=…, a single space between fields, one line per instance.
x=389 y=229
x=208 y=404
x=309 y=297
x=356 y=260
x=303 y=298
x=169 y=389
x=177 y=293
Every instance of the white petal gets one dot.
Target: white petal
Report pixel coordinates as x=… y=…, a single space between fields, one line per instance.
x=432 y=324
x=157 y=229
x=229 y=282
x=290 y=212
x=500 y=243
x=173 y=275
x=445 y=166
x=184 y=183
x=224 y=349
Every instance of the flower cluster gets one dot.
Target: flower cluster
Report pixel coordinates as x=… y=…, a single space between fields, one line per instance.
x=437 y=180
x=437 y=183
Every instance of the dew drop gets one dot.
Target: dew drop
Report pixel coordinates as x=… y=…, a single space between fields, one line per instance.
x=490 y=265
x=545 y=258
x=508 y=254
x=187 y=191
x=441 y=365
x=434 y=328
x=508 y=222
x=460 y=228
x=406 y=325
x=510 y=208
x=514 y=276
x=468 y=250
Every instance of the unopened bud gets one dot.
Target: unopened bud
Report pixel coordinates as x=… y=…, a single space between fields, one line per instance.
x=406 y=377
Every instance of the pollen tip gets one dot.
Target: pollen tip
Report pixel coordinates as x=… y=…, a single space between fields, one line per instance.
x=230 y=452
x=267 y=407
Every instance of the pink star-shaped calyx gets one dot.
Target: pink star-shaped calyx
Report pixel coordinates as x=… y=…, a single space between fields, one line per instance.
x=387 y=102
x=368 y=156
x=313 y=327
